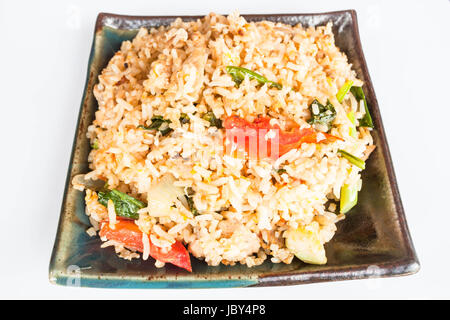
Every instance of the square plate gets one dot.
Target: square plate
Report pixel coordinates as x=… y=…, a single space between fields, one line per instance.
x=373 y=241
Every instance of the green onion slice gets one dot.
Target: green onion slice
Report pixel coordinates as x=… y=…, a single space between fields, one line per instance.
x=343 y=90
x=238 y=75
x=358 y=93
x=352 y=159
x=349 y=197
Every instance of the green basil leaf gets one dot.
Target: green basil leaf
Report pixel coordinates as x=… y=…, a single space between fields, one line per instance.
x=125 y=205
x=160 y=124
x=325 y=114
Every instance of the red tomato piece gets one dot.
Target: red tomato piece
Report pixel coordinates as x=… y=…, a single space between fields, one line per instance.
x=286 y=140
x=129 y=234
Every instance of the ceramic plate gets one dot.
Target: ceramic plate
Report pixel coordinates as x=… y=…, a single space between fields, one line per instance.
x=373 y=241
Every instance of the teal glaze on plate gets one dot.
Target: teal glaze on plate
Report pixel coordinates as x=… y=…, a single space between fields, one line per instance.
x=143 y=284
x=373 y=241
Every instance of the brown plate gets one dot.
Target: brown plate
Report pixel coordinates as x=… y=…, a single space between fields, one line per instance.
x=373 y=241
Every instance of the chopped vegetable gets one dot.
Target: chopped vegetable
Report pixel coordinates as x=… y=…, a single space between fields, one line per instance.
x=352 y=159
x=351 y=117
x=163 y=194
x=343 y=90
x=366 y=121
x=190 y=201
x=160 y=124
x=213 y=121
x=238 y=74
x=192 y=207
x=304 y=243
x=129 y=234
x=184 y=118
x=287 y=140
x=349 y=197
x=94 y=145
x=124 y=205
x=281 y=171
x=322 y=114
x=161 y=197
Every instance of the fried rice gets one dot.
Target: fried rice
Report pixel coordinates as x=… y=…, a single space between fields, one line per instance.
x=244 y=208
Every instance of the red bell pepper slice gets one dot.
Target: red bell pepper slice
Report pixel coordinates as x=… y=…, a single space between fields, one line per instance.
x=129 y=234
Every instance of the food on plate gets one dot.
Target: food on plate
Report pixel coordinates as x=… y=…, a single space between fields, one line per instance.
x=228 y=140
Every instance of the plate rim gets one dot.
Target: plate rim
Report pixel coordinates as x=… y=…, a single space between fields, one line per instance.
x=406 y=265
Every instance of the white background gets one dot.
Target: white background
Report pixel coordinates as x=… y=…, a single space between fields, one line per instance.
x=44 y=51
